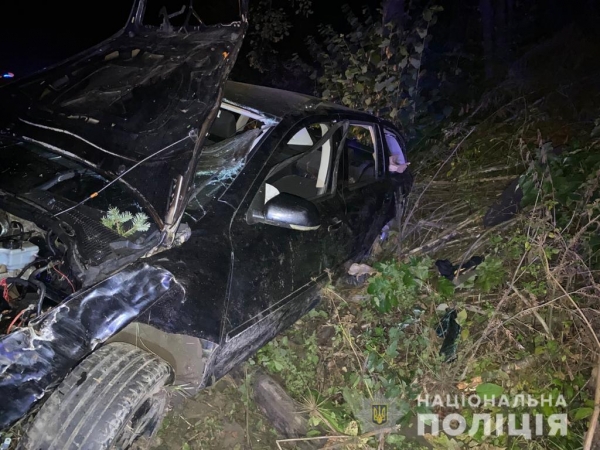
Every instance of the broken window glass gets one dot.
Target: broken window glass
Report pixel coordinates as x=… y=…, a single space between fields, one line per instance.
x=218 y=166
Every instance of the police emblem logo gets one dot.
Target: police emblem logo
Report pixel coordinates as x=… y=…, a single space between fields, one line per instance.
x=374 y=413
x=379 y=414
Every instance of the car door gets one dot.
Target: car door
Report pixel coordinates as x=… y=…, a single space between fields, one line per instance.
x=271 y=264
x=365 y=189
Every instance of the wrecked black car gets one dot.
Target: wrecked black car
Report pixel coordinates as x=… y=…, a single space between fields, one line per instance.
x=158 y=224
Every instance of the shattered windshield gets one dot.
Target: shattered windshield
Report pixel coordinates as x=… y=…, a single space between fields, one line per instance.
x=218 y=166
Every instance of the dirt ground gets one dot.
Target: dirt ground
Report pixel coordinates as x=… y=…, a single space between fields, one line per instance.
x=216 y=418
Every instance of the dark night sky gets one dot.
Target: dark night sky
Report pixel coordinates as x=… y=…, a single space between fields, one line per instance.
x=36 y=35
x=42 y=33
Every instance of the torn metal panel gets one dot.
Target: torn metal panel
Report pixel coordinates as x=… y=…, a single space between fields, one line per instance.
x=36 y=358
x=274 y=103
x=145 y=90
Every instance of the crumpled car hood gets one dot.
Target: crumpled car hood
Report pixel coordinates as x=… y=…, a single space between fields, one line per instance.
x=143 y=91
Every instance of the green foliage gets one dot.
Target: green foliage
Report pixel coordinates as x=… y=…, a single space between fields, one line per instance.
x=490 y=274
x=116 y=220
x=403 y=285
x=566 y=184
x=398 y=284
x=377 y=67
x=270 y=24
x=489 y=390
x=296 y=364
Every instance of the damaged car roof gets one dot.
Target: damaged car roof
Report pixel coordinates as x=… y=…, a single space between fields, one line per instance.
x=148 y=92
x=274 y=102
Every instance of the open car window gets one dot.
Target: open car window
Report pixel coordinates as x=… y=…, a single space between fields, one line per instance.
x=305 y=165
x=306 y=168
x=359 y=162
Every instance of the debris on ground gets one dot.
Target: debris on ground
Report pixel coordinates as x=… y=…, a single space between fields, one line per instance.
x=506 y=207
x=452 y=272
x=277 y=405
x=449 y=329
x=358 y=274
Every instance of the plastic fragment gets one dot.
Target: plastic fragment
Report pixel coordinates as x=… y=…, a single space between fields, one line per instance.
x=450 y=271
x=6 y=444
x=449 y=329
x=356 y=270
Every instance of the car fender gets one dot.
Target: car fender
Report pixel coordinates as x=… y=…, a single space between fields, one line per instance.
x=34 y=359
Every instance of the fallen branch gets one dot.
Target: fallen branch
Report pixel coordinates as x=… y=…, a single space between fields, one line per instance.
x=414 y=208
x=379 y=432
x=345 y=333
x=478 y=180
x=589 y=437
x=573 y=302
x=493 y=320
x=446 y=237
x=539 y=318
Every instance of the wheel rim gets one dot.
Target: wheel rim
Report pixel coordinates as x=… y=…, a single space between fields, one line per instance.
x=143 y=424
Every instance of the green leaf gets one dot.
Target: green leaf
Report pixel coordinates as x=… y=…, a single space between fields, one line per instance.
x=490 y=274
x=489 y=390
x=392 y=351
x=583 y=413
x=383 y=84
x=422 y=32
x=445 y=287
x=427 y=15
x=462 y=317
x=415 y=62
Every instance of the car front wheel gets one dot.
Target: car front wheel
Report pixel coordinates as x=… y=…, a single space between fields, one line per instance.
x=114 y=399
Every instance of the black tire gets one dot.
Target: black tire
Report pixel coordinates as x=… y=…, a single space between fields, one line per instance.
x=114 y=399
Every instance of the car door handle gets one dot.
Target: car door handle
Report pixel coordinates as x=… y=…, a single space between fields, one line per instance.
x=335 y=224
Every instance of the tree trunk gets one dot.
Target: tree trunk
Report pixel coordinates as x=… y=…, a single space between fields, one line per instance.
x=510 y=9
x=510 y=18
x=487 y=24
x=502 y=51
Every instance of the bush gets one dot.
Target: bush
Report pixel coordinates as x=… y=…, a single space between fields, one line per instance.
x=378 y=68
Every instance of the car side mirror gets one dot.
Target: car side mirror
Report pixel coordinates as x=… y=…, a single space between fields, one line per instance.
x=290 y=211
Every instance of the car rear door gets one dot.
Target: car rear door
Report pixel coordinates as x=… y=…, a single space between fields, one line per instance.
x=367 y=193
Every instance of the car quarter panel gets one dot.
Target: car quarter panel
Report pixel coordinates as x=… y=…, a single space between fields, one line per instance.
x=36 y=358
